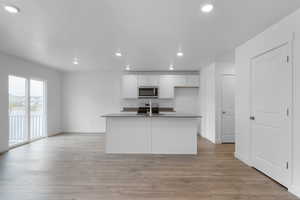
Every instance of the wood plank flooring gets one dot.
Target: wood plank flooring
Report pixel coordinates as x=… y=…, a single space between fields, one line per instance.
x=75 y=167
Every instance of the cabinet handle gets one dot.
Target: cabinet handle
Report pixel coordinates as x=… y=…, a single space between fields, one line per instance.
x=252 y=118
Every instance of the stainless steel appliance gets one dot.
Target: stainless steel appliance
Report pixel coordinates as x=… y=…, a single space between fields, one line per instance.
x=148 y=92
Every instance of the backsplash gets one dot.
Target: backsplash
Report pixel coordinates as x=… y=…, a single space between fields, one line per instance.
x=141 y=102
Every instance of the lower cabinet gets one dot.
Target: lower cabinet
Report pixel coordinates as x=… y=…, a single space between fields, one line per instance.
x=128 y=135
x=151 y=135
x=176 y=136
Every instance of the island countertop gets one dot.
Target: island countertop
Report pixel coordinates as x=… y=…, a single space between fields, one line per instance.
x=163 y=115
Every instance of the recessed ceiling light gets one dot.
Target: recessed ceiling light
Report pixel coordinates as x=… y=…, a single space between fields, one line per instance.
x=207 y=8
x=11 y=9
x=127 y=67
x=75 y=61
x=171 y=67
x=179 y=54
x=118 y=53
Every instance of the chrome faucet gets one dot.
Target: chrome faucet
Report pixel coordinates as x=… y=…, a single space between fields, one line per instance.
x=150 y=105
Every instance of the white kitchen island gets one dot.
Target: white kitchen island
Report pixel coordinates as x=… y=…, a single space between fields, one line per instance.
x=128 y=133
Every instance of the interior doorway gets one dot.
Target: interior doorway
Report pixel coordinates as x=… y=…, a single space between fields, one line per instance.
x=227 y=108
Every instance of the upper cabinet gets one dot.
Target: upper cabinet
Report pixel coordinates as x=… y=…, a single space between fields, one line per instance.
x=165 y=83
x=148 y=80
x=130 y=86
x=166 y=86
x=192 y=81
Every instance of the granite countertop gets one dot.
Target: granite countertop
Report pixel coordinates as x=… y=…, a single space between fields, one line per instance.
x=164 y=115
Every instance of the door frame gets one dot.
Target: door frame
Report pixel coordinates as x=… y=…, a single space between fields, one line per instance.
x=221 y=105
x=289 y=43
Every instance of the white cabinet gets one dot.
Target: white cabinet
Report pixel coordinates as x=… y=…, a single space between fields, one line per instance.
x=148 y=80
x=166 y=86
x=186 y=81
x=130 y=86
x=179 y=80
x=192 y=81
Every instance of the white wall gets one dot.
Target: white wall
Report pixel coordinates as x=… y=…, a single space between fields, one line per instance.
x=272 y=37
x=86 y=96
x=208 y=102
x=10 y=65
x=186 y=100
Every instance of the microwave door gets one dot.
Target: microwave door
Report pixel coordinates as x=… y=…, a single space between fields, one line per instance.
x=147 y=92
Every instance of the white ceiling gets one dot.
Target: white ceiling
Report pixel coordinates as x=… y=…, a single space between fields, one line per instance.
x=148 y=32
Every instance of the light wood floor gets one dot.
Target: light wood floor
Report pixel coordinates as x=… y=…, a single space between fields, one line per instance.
x=74 y=167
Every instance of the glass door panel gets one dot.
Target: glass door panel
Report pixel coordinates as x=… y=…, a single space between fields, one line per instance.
x=37 y=109
x=18 y=133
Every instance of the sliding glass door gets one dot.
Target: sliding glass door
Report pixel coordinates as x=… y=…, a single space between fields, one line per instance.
x=18 y=115
x=27 y=110
x=37 y=109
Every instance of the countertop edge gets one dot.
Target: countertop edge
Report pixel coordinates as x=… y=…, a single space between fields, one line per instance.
x=153 y=116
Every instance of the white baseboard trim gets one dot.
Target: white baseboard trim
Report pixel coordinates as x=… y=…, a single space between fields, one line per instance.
x=3 y=152
x=295 y=190
x=242 y=158
x=92 y=132
x=54 y=134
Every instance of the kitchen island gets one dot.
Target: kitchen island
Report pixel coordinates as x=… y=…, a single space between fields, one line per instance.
x=132 y=133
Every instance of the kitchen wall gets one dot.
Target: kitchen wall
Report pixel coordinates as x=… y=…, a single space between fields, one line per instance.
x=286 y=30
x=89 y=94
x=10 y=65
x=86 y=96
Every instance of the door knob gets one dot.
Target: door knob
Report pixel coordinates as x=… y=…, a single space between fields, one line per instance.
x=252 y=118
x=223 y=112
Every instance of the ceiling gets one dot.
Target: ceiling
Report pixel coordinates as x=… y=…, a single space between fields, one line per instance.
x=147 y=32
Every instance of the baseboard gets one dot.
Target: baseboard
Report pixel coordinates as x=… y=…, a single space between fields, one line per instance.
x=55 y=134
x=295 y=190
x=3 y=152
x=242 y=158
x=78 y=132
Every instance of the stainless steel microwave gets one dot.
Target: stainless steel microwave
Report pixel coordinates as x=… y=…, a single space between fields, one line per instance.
x=148 y=92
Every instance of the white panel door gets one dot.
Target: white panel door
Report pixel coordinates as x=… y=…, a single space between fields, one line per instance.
x=271 y=86
x=166 y=87
x=130 y=87
x=227 y=109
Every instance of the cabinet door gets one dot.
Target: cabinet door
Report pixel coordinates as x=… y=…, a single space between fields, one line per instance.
x=129 y=87
x=179 y=80
x=166 y=87
x=192 y=81
x=148 y=80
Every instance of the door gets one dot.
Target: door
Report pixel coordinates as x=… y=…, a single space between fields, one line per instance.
x=18 y=115
x=37 y=109
x=130 y=87
x=148 y=80
x=166 y=87
x=227 y=109
x=271 y=88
